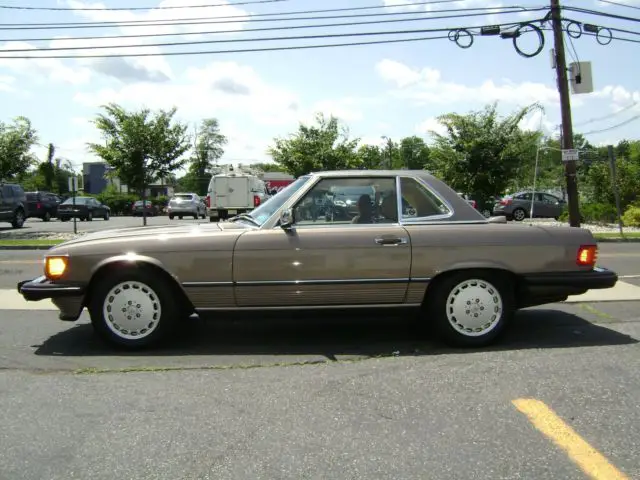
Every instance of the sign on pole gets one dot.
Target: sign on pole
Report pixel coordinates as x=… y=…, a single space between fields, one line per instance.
x=570 y=155
x=73 y=184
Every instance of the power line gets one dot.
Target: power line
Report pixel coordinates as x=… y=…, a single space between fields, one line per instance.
x=230 y=19
x=601 y=14
x=343 y=24
x=249 y=30
x=622 y=124
x=79 y=9
x=606 y=117
x=619 y=4
x=260 y=39
x=244 y=50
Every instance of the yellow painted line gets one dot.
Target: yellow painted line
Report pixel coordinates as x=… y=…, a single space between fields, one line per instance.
x=590 y=461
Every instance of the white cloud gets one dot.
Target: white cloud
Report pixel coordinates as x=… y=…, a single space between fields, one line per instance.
x=430 y=125
x=538 y=120
x=426 y=85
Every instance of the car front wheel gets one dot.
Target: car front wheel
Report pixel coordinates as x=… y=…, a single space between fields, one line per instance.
x=133 y=309
x=470 y=309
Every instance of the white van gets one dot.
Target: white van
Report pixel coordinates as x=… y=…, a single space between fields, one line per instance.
x=233 y=191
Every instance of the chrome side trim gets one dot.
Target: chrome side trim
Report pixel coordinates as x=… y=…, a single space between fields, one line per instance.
x=261 y=283
x=314 y=307
x=427 y=221
x=323 y=282
x=207 y=284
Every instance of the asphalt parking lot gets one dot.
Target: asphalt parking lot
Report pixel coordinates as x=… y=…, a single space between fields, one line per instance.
x=325 y=398
x=35 y=225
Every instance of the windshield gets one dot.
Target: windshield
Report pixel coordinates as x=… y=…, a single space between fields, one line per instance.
x=183 y=197
x=79 y=200
x=268 y=208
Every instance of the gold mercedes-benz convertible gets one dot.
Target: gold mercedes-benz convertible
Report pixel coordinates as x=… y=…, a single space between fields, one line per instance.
x=330 y=240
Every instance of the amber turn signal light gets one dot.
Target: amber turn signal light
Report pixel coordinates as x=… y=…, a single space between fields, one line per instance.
x=587 y=255
x=54 y=267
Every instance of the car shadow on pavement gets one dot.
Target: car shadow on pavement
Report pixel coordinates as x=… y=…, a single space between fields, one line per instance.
x=339 y=336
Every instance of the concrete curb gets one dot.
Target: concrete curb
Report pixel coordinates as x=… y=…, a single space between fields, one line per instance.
x=26 y=247
x=618 y=240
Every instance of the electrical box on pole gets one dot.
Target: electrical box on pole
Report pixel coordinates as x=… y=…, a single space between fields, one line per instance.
x=580 y=78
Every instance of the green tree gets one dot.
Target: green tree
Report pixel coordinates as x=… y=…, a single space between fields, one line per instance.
x=141 y=147
x=370 y=157
x=413 y=153
x=324 y=146
x=47 y=169
x=16 y=141
x=208 y=149
x=598 y=180
x=480 y=153
x=267 y=167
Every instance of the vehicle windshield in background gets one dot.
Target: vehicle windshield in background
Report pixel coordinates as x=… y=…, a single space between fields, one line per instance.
x=183 y=197
x=79 y=200
x=268 y=208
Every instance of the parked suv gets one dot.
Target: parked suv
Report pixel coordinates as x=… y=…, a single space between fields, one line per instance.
x=13 y=204
x=518 y=206
x=43 y=205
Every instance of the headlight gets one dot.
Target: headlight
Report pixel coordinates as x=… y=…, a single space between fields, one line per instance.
x=54 y=267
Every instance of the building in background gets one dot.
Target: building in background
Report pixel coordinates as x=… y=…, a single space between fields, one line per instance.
x=96 y=177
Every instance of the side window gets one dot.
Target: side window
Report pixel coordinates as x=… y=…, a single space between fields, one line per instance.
x=523 y=196
x=359 y=200
x=550 y=199
x=418 y=201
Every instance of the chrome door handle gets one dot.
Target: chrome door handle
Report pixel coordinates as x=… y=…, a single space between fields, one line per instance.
x=391 y=241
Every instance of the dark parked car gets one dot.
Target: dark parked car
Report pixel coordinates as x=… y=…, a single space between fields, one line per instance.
x=43 y=205
x=85 y=208
x=13 y=204
x=518 y=206
x=137 y=209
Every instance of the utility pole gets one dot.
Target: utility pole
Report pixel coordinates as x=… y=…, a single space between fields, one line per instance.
x=565 y=107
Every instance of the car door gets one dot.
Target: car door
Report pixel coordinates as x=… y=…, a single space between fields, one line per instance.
x=321 y=261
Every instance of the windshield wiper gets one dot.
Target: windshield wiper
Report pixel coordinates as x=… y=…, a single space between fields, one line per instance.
x=245 y=216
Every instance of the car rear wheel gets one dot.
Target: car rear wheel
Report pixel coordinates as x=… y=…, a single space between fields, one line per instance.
x=46 y=217
x=519 y=214
x=133 y=309
x=106 y=216
x=471 y=308
x=90 y=217
x=486 y=213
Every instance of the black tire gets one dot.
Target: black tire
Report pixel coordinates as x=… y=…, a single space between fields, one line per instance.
x=519 y=214
x=18 y=219
x=180 y=217
x=90 y=217
x=212 y=219
x=170 y=217
x=106 y=216
x=492 y=289
x=46 y=217
x=158 y=293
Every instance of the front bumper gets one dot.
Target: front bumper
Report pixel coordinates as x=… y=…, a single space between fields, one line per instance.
x=68 y=298
x=540 y=288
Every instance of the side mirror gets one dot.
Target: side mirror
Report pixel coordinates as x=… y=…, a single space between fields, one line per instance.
x=286 y=219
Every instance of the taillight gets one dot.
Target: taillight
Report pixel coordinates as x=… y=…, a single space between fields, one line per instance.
x=505 y=201
x=38 y=206
x=208 y=201
x=587 y=255
x=256 y=201
x=473 y=203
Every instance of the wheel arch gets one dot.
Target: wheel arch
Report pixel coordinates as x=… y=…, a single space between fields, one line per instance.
x=471 y=268
x=133 y=261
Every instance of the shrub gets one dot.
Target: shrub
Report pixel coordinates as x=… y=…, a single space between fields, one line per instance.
x=599 y=213
x=119 y=203
x=631 y=217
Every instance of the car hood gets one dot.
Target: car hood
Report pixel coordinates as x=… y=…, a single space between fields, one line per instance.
x=129 y=233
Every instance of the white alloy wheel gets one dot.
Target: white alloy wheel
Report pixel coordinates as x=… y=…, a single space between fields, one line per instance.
x=474 y=307
x=132 y=310
x=519 y=214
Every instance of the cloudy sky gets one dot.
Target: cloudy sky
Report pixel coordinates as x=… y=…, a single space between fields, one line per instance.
x=393 y=89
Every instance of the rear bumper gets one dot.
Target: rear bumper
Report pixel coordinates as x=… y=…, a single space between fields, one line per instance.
x=540 y=288
x=69 y=299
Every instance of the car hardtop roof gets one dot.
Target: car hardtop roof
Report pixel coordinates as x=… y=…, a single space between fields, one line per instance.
x=372 y=173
